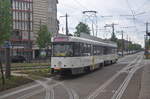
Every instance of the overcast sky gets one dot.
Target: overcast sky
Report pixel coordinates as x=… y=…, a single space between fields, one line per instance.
x=113 y=8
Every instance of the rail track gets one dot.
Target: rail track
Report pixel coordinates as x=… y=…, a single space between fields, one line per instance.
x=49 y=89
x=27 y=67
x=131 y=68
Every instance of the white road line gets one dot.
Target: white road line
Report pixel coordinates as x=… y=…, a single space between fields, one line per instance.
x=31 y=94
x=19 y=91
x=47 y=96
x=118 y=94
x=52 y=94
x=39 y=91
x=72 y=94
x=102 y=87
x=76 y=96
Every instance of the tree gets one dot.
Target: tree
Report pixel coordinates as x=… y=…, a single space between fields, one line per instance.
x=5 y=29
x=82 y=28
x=5 y=20
x=44 y=37
x=113 y=37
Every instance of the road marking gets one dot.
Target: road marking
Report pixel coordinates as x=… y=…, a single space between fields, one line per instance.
x=25 y=89
x=31 y=94
x=75 y=95
x=72 y=94
x=47 y=96
x=18 y=91
x=39 y=91
x=50 y=91
x=102 y=87
x=52 y=94
x=118 y=94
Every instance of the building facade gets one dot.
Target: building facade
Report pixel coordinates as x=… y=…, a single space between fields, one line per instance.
x=22 y=12
x=27 y=16
x=44 y=13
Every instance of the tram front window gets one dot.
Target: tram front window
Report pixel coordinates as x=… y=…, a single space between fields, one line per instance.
x=62 y=50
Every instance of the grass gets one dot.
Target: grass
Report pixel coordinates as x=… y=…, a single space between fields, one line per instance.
x=38 y=72
x=13 y=82
x=29 y=64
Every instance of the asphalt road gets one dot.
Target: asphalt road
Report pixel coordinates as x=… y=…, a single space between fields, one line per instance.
x=117 y=81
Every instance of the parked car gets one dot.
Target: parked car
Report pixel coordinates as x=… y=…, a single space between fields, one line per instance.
x=18 y=59
x=119 y=53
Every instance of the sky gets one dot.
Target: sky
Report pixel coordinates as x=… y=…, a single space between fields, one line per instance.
x=120 y=12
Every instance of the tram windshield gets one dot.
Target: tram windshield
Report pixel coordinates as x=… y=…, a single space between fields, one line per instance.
x=62 y=49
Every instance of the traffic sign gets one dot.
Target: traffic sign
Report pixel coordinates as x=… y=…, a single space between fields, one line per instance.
x=7 y=44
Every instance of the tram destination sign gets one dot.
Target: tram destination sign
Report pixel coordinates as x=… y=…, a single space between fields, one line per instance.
x=61 y=39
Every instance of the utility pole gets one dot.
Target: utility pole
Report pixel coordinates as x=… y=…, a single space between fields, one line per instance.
x=127 y=44
x=91 y=17
x=122 y=40
x=112 y=26
x=122 y=33
x=147 y=30
x=147 y=41
x=67 y=30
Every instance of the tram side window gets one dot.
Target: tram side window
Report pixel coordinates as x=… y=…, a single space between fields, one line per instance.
x=77 y=51
x=105 y=51
x=99 y=50
x=114 y=51
x=94 y=50
x=89 y=50
x=102 y=50
x=110 y=50
x=82 y=49
x=86 y=50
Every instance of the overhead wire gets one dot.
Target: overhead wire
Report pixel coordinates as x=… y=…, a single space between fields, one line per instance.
x=80 y=4
x=133 y=14
x=142 y=6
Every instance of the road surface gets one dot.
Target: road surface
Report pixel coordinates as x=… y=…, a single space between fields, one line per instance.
x=117 y=81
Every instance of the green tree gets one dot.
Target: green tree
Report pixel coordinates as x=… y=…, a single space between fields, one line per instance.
x=5 y=20
x=5 y=29
x=113 y=37
x=82 y=28
x=44 y=37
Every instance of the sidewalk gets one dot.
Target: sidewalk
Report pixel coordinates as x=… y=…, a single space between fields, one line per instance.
x=145 y=83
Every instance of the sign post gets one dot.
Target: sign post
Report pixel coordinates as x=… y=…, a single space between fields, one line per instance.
x=7 y=46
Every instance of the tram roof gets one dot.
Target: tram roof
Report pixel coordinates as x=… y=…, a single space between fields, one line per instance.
x=83 y=40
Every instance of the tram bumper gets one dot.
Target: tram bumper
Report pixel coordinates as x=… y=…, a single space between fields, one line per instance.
x=60 y=71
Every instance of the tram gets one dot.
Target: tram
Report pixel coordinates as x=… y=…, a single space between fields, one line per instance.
x=76 y=55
